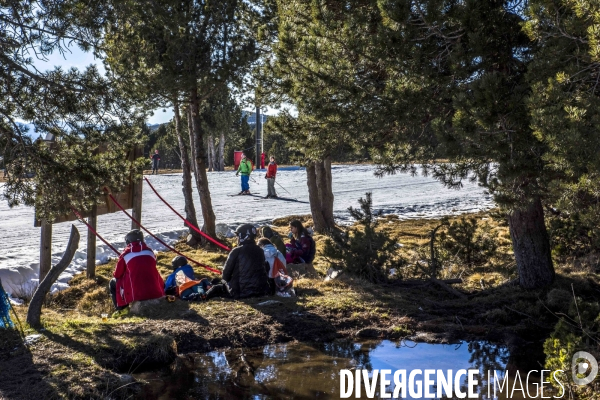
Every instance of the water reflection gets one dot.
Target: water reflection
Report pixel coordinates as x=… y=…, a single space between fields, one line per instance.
x=309 y=371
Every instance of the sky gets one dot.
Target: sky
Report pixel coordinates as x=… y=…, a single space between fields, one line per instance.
x=80 y=59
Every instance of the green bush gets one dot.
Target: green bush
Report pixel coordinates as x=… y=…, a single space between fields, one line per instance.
x=577 y=331
x=472 y=244
x=362 y=251
x=574 y=218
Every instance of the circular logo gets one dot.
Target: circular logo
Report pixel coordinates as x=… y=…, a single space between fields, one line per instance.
x=582 y=361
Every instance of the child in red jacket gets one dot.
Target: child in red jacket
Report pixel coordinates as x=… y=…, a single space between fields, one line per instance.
x=136 y=276
x=270 y=177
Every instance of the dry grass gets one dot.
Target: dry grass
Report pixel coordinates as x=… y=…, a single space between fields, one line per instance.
x=79 y=355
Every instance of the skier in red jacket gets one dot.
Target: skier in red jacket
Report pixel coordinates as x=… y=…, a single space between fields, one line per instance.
x=270 y=177
x=136 y=276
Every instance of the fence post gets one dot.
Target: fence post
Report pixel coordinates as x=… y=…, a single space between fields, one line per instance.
x=45 y=249
x=91 y=244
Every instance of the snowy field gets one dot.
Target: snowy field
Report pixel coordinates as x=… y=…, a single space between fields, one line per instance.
x=401 y=194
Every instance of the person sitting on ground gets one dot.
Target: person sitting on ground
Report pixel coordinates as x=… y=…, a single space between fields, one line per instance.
x=136 y=277
x=280 y=283
x=245 y=270
x=179 y=263
x=276 y=261
x=274 y=237
x=301 y=248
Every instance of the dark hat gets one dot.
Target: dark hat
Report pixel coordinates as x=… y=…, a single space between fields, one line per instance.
x=134 y=236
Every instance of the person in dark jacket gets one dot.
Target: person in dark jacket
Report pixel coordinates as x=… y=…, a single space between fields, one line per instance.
x=155 y=161
x=274 y=237
x=245 y=269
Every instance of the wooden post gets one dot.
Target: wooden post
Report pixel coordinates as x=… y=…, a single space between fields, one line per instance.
x=34 y=311
x=45 y=249
x=137 y=184
x=91 y=244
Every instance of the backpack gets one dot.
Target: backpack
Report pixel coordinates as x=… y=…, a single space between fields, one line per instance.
x=188 y=289
x=278 y=268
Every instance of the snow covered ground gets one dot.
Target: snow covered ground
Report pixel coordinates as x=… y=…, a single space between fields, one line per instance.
x=401 y=194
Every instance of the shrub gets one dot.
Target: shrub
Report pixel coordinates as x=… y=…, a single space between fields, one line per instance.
x=577 y=331
x=574 y=220
x=363 y=251
x=471 y=243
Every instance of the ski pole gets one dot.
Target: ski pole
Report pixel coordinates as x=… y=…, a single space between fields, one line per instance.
x=253 y=180
x=283 y=188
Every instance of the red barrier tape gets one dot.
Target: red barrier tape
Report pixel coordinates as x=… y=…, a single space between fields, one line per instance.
x=188 y=223
x=216 y=271
x=93 y=231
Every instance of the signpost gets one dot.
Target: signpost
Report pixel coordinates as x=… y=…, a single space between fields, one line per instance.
x=130 y=197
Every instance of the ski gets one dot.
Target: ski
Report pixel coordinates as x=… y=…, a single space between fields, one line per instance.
x=251 y=195
x=283 y=199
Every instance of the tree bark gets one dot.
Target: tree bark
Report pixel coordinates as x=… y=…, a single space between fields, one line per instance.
x=34 y=311
x=192 y=139
x=45 y=249
x=320 y=195
x=314 y=199
x=323 y=173
x=211 y=153
x=190 y=208
x=221 y=153
x=200 y=166
x=531 y=246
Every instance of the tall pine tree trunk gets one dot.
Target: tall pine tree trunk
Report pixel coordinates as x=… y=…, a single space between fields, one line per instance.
x=323 y=172
x=531 y=246
x=190 y=208
x=200 y=166
x=192 y=139
x=320 y=194
x=221 y=153
x=211 y=154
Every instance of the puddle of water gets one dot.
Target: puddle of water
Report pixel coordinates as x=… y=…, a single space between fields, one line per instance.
x=312 y=371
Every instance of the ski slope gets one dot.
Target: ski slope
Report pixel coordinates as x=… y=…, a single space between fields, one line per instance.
x=401 y=194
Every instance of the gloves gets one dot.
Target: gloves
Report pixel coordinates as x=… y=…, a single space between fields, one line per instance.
x=266 y=177
x=290 y=235
x=237 y=173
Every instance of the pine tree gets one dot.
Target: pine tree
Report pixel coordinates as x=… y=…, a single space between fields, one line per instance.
x=182 y=53
x=91 y=124
x=416 y=81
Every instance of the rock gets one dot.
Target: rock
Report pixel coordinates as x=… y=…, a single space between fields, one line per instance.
x=191 y=240
x=300 y=270
x=269 y=303
x=223 y=231
x=31 y=339
x=126 y=378
x=333 y=274
x=145 y=307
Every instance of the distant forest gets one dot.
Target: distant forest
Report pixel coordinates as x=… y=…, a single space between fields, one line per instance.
x=234 y=132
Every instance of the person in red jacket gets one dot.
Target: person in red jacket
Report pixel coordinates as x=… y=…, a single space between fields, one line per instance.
x=270 y=177
x=262 y=160
x=136 y=276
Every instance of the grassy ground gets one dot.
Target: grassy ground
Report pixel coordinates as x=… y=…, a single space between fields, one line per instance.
x=80 y=356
